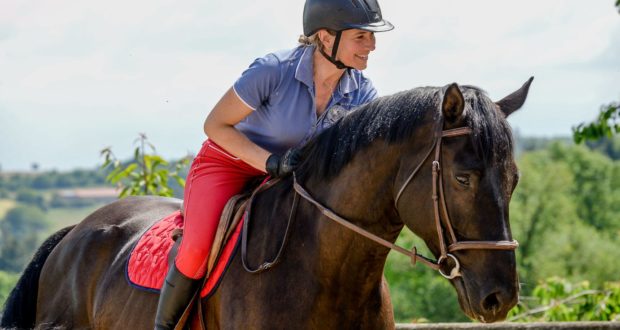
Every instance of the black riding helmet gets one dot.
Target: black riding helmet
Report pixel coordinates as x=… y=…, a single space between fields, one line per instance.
x=340 y=15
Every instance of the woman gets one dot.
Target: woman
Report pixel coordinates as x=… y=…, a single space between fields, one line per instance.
x=277 y=104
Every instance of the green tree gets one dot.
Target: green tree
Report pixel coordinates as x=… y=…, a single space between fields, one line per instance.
x=147 y=174
x=66 y=181
x=565 y=212
x=7 y=282
x=607 y=146
x=30 y=197
x=557 y=299
x=596 y=185
x=541 y=203
x=606 y=125
x=43 y=181
x=418 y=293
x=21 y=232
x=575 y=251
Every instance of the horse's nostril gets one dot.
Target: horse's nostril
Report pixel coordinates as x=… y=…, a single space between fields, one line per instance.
x=491 y=303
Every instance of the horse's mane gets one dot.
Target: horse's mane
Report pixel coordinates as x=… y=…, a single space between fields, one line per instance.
x=393 y=119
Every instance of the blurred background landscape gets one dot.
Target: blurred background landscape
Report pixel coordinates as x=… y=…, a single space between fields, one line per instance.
x=74 y=81
x=565 y=213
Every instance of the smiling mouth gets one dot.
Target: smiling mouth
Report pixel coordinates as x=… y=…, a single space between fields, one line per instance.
x=363 y=57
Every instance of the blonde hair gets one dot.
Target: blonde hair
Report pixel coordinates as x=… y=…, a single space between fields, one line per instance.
x=311 y=40
x=314 y=39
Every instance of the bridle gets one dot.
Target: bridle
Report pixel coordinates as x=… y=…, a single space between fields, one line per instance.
x=439 y=208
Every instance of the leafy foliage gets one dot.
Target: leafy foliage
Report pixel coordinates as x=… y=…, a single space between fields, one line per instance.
x=607 y=124
x=30 y=197
x=418 y=293
x=606 y=146
x=539 y=199
x=596 y=187
x=20 y=234
x=51 y=180
x=147 y=174
x=7 y=282
x=556 y=299
x=565 y=212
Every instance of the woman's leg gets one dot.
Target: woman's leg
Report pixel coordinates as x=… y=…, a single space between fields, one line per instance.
x=214 y=177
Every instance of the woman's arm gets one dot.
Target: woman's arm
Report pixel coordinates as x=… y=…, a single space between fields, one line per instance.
x=219 y=127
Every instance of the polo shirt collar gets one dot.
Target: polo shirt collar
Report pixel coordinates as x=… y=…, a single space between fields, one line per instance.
x=305 y=68
x=348 y=83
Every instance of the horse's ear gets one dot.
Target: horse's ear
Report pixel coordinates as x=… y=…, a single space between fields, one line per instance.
x=453 y=104
x=514 y=101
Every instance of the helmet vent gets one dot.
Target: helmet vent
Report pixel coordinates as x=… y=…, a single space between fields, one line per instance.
x=369 y=7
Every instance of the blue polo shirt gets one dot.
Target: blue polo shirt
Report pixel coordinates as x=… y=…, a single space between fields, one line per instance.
x=279 y=87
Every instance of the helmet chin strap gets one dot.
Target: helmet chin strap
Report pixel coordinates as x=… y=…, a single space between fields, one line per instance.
x=332 y=58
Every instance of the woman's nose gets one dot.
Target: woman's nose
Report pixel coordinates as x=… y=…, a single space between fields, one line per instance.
x=370 y=44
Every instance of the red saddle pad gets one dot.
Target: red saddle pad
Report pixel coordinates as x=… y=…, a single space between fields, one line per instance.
x=148 y=263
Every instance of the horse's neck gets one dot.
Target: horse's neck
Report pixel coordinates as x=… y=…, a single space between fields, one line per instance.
x=361 y=193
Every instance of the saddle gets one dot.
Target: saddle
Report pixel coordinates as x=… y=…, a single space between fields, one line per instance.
x=157 y=248
x=231 y=216
x=230 y=219
x=229 y=226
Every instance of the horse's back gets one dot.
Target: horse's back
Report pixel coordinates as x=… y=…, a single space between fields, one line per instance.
x=82 y=283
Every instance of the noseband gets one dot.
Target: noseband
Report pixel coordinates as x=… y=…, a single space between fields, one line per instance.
x=439 y=208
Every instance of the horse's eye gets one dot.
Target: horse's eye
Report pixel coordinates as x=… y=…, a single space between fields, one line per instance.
x=463 y=179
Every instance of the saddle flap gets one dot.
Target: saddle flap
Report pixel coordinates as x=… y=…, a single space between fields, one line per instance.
x=231 y=215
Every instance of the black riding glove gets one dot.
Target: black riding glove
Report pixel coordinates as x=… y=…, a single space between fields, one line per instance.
x=278 y=166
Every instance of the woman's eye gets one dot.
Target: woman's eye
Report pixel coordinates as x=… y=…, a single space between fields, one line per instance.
x=463 y=179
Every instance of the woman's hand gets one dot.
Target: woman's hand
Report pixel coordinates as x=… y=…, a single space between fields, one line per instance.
x=278 y=166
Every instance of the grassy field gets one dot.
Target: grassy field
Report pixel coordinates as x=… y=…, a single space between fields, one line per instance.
x=57 y=217
x=5 y=206
x=62 y=217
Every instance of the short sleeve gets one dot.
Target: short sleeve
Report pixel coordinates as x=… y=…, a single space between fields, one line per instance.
x=258 y=81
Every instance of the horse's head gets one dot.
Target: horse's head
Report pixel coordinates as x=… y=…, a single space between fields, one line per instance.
x=474 y=180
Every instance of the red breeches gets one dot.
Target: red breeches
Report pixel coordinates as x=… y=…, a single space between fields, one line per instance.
x=214 y=177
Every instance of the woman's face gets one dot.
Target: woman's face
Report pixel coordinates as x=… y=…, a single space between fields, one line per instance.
x=354 y=48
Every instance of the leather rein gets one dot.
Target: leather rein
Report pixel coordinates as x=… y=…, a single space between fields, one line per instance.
x=439 y=208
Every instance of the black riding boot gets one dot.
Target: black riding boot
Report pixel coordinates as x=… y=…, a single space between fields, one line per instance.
x=175 y=295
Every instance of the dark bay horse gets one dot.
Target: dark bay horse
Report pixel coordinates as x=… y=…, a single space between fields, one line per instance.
x=437 y=160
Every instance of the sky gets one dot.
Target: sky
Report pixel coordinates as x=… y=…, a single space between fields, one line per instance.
x=78 y=76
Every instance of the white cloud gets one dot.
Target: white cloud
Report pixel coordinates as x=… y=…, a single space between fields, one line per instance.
x=77 y=76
